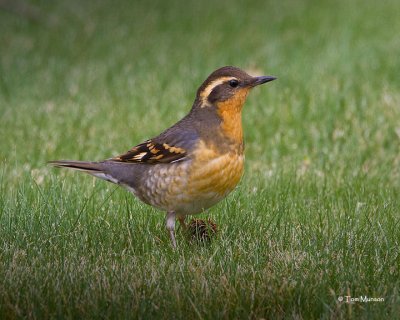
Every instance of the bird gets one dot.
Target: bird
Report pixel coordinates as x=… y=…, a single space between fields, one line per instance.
x=195 y=163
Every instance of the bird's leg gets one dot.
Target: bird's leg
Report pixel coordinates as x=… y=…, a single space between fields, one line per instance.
x=171 y=226
x=181 y=220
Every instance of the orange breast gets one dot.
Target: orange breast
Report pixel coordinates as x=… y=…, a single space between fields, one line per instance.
x=230 y=112
x=189 y=187
x=214 y=175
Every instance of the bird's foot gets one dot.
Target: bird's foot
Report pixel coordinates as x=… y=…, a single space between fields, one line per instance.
x=171 y=227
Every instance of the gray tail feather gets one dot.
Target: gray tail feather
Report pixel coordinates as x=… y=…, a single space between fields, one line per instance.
x=86 y=166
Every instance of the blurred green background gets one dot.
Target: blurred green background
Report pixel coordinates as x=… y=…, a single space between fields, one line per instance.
x=89 y=80
x=110 y=74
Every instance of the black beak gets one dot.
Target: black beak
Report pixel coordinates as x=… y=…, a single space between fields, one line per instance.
x=255 y=81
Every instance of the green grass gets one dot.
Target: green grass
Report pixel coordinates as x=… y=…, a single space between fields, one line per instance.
x=315 y=217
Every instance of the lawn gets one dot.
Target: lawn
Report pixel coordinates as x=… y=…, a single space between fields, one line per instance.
x=316 y=217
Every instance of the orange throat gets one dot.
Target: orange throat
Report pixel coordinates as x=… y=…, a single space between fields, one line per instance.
x=230 y=112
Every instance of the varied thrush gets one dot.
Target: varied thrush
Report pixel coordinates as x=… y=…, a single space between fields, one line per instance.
x=195 y=163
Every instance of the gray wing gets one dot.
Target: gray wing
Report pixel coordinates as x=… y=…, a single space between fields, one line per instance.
x=174 y=144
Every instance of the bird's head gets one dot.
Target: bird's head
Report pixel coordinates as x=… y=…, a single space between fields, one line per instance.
x=220 y=99
x=227 y=88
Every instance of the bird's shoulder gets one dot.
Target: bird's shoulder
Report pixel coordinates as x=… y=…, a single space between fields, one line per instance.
x=174 y=144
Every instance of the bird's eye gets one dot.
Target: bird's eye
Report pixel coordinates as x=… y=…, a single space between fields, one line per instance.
x=233 y=83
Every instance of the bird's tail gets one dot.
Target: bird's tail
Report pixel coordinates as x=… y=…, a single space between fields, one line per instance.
x=115 y=172
x=86 y=166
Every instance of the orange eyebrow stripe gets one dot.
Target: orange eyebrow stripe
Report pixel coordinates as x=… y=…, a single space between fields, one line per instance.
x=207 y=90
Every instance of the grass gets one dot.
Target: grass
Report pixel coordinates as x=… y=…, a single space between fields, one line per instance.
x=316 y=216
